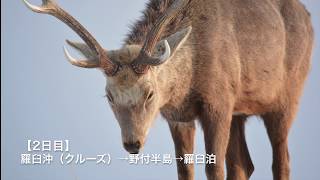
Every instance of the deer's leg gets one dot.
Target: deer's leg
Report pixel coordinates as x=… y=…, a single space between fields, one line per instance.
x=216 y=122
x=278 y=125
x=238 y=161
x=183 y=137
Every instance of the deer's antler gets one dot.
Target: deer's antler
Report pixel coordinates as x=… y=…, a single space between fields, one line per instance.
x=145 y=58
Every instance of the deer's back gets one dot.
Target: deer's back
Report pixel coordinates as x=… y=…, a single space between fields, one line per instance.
x=253 y=48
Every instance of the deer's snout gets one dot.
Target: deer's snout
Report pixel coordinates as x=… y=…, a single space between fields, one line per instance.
x=132 y=147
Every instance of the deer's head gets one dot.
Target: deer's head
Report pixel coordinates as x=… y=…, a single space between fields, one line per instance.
x=131 y=72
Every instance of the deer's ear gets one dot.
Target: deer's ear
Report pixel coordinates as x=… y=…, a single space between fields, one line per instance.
x=175 y=40
x=83 y=49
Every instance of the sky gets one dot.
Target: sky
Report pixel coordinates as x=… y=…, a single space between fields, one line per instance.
x=43 y=97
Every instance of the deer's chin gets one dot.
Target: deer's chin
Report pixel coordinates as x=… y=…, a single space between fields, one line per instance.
x=133 y=152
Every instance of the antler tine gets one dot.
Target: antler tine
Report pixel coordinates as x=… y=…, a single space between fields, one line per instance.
x=42 y=9
x=52 y=8
x=91 y=63
x=155 y=33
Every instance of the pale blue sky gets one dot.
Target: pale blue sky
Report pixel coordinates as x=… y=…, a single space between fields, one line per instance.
x=44 y=97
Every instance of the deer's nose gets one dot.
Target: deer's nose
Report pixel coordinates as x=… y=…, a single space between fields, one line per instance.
x=132 y=147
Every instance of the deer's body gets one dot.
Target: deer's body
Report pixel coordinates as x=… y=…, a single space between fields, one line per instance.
x=246 y=47
x=249 y=57
x=242 y=58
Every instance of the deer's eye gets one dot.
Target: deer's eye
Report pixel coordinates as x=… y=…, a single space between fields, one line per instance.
x=109 y=97
x=150 y=95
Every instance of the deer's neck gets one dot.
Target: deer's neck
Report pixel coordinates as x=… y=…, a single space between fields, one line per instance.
x=175 y=76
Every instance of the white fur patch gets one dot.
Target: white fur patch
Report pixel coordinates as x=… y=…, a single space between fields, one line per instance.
x=127 y=96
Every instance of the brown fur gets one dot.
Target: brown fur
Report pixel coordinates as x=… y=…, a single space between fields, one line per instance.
x=248 y=57
x=243 y=56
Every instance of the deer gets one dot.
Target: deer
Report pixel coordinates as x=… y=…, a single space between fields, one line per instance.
x=217 y=62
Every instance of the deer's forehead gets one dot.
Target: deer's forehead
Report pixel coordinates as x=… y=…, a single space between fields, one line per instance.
x=128 y=95
x=127 y=88
x=126 y=77
x=128 y=80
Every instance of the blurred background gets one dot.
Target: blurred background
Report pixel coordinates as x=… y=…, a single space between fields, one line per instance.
x=43 y=97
